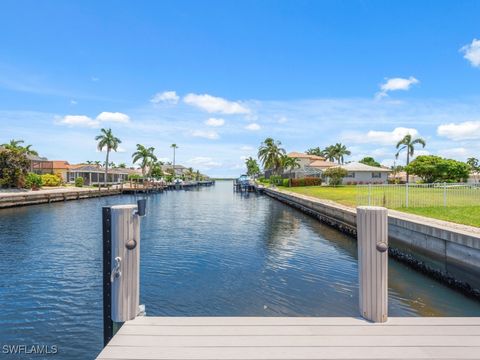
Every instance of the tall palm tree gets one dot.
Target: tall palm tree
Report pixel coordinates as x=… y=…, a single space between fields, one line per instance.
x=252 y=167
x=106 y=139
x=408 y=144
x=340 y=152
x=89 y=162
x=174 y=147
x=290 y=163
x=146 y=155
x=97 y=163
x=270 y=154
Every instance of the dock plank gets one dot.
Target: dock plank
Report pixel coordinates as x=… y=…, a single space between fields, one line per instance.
x=295 y=338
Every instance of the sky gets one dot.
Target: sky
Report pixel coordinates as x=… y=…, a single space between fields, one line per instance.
x=218 y=77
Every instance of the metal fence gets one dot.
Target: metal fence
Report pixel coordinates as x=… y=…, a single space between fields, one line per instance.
x=419 y=195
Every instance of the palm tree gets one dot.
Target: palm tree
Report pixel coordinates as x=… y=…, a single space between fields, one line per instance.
x=340 y=152
x=122 y=166
x=106 y=139
x=146 y=155
x=174 y=147
x=329 y=153
x=407 y=143
x=15 y=145
x=89 y=162
x=270 y=154
x=314 y=151
x=290 y=163
x=97 y=163
x=252 y=167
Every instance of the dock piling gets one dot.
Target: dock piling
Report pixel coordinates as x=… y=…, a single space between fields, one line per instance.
x=372 y=231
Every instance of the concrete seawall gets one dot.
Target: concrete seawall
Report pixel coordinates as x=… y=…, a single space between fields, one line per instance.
x=449 y=252
x=47 y=196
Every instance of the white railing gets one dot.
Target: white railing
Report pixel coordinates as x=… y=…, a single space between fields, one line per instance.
x=419 y=195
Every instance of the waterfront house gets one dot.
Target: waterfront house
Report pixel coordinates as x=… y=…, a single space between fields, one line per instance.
x=179 y=169
x=310 y=165
x=94 y=175
x=359 y=173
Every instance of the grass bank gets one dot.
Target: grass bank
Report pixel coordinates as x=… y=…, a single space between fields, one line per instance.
x=347 y=195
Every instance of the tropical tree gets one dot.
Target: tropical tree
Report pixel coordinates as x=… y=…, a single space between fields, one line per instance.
x=368 y=160
x=315 y=151
x=475 y=166
x=290 y=163
x=15 y=145
x=270 y=154
x=107 y=140
x=89 y=162
x=408 y=144
x=329 y=153
x=145 y=155
x=252 y=167
x=14 y=166
x=122 y=166
x=436 y=169
x=97 y=163
x=341 y=151
x=156 y=170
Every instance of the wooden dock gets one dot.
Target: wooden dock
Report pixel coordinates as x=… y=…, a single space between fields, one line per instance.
x=295 y=338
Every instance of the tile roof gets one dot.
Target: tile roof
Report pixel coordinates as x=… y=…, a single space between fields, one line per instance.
x=322 y=163
x=300 y=155
x=60 y=164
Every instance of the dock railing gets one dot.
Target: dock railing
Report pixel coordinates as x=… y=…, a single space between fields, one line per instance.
x=419 y=195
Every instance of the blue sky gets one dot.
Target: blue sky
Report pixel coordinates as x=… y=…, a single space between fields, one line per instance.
x=217 y=77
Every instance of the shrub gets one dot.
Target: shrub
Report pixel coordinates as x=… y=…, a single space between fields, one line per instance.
x=33 y=181
x=308 y=181
x=286 y=182
x=14 y=167
x=79 y=182
x=51 y=180
x=276 y=180
x=335 y=175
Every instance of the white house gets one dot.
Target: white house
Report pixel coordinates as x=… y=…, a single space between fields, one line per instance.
x=359 y=173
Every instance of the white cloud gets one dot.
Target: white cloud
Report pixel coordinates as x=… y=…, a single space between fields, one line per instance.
x=79 y=120
x=202 y=162
x=120 y=149
x=86 y=121
x=207 y=134
x=215 y=122
x=247 y=148
x=282 y=120
x=379 y=137
x=395 y=84
x=253 y=127
x=468 y=130
x=214 y=104
x=113 y=117
x=169 y=97
x=472 y=52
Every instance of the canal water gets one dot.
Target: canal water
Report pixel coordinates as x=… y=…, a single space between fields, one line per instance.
x=209 y=252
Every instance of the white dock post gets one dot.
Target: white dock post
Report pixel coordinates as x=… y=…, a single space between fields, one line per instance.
x=372 y=233
x=125 y=260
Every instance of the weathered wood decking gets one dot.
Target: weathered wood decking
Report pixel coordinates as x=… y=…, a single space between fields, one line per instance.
x=295 y=338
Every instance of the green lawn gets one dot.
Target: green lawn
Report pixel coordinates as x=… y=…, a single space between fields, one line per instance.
x=347 y=195
x=468 y=215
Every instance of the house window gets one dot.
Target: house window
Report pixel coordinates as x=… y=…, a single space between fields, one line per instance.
x=376 y=175
x=350 y=174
